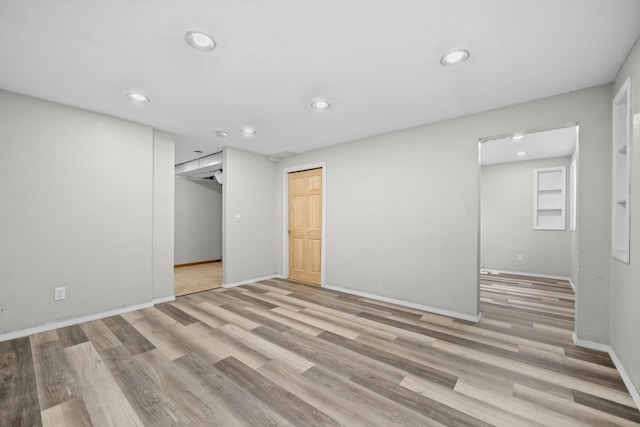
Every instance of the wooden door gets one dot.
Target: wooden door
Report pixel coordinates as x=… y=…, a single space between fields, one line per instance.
x=305 y=226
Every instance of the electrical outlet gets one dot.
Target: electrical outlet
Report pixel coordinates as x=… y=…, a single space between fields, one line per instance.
x=519 y=257
x=59 y=293
x=237 y=217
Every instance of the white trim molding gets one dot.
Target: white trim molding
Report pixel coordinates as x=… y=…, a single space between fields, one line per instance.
x=163 y=300
x=246 y=282
x=633 y=391
x=426 y=308
x=524 y=273
x=590 y=344
x=285 y=217
x=573 y=285
x=71 y=322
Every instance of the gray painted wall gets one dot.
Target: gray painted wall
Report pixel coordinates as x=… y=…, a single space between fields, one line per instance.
x=573 y=235
x=248 y=244
x=403 y=208
x=163 y=196
x=507 y=221
x=198 y=221
x=402 y=222
x=625 y=289
x=78 y=211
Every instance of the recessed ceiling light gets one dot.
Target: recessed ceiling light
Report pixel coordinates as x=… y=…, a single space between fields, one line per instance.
x=520 y=153
x=320 y=105
x=248 y=131
x=455 y=57
x=518 y=136
x=200 y=41
x=137 y=97
x=222 y=134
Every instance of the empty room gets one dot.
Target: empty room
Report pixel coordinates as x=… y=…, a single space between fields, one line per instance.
x=296 y=213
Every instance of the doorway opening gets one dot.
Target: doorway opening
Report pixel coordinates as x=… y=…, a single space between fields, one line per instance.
x=528 y=218
x=198 y=235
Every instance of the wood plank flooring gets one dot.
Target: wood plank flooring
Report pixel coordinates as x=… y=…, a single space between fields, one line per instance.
x=197 y=278
x=284 y=354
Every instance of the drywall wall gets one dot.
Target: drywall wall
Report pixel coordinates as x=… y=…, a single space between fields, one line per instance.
x=77 y=190
x=625 y=289
x=573 y=234
x=507 y=221
x=403 y=208
x=249 y=241
x=198 y=221
x=163 y=213
x=399 y=216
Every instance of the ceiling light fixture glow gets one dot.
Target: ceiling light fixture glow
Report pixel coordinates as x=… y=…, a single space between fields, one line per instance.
x=518 y=136
x=200 y=41
x=222 y=134
x=248 y=131
x=137 y=97
x=455 y=57
x=320 y=105
x=520 y=153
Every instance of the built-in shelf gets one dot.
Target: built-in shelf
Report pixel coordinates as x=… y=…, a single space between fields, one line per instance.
x=549 y=200
x=551 y=191
x=621 y=109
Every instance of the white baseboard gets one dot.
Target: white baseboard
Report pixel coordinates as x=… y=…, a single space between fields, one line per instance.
x=163 y=300
x=590 y=344
x=426 y=308
x=524 y=273
x=71 y=322
x=633 y=391
x=616 y=361
x=246 y=282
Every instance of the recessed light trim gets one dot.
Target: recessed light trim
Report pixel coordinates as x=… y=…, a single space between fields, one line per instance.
x=455 y=57
x=137 y=97
x=518 y=136
x=320 y=104
x=200 y=41
x=520 y=153
x=248 y=131
x=222 y=134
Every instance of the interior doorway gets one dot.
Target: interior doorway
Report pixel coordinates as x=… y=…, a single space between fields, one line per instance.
x=528 y=207
x=305 y=226
x=197 y=235
x=528 y=202
x=305 y=223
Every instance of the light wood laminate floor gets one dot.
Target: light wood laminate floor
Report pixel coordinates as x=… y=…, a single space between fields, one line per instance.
x=197 y=278
x=284 y=354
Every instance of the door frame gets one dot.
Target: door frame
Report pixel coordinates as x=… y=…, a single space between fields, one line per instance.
x=285 y=215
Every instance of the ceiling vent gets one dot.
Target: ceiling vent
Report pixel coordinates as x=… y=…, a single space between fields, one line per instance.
x=205 y=168
x=275 y=158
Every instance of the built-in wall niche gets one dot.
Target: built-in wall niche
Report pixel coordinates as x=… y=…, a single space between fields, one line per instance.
x=549 y=198
x=621 y=172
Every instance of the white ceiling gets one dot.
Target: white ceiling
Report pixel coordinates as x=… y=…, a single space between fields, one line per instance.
x=538 y=145
x=377 y=61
